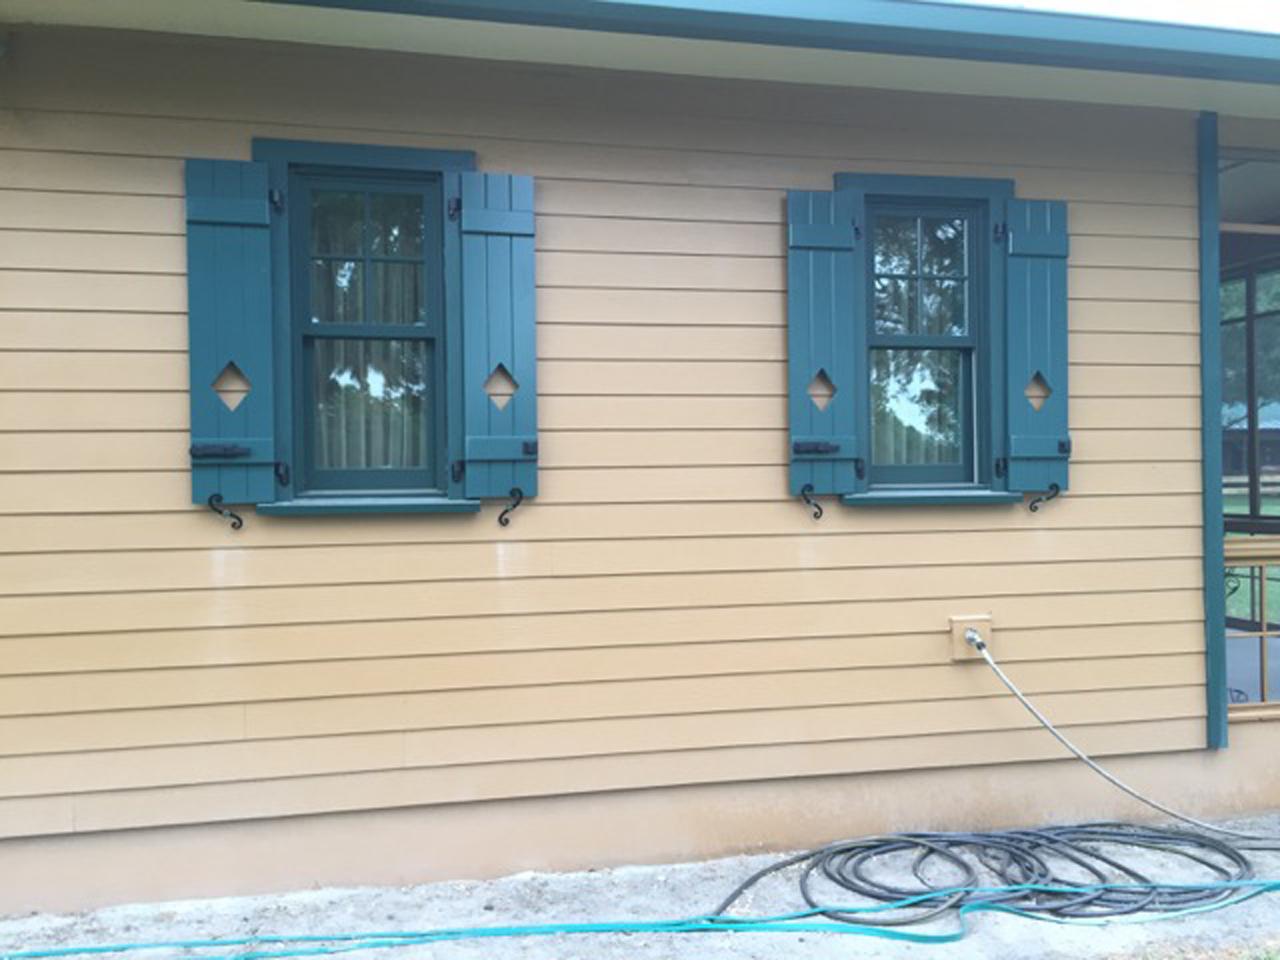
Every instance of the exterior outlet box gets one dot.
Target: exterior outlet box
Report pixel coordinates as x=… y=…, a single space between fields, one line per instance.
x=961 y=649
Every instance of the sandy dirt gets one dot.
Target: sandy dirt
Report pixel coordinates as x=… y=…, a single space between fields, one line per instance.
x=1245 y=932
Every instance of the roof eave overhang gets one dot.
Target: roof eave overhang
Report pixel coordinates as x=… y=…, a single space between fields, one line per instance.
x=902 y=27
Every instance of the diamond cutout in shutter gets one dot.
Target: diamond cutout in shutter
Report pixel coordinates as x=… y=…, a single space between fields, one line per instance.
x=500 y=387
x=231 y=386
x=1037 y=391
x=821 y=390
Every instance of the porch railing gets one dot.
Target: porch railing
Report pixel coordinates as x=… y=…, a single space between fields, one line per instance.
x=1252 y=581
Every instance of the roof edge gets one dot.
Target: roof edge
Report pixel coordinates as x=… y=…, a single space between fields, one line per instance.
x=905 y=27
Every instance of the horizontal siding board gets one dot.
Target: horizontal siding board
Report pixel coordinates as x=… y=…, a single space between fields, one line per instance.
x=31 y=615
x=90 y=330
x=155 y=726
x=708 y=642
x=206 y=803
x=523 y=742
x=115 y=252
x=22 y=574
x=72 y=412
x=186 y=528
x=438 y=698
x=84 y=291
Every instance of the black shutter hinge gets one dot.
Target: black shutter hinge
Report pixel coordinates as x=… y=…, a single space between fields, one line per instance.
x=860 y=468
x=276 y=197
x=1000 y=232
x=457 y=469
x=1064 y=447
x=218 y=451
x=814 y=446
x=454 y=208
x=282 y=473
x=529 y=448
x=1001 y=466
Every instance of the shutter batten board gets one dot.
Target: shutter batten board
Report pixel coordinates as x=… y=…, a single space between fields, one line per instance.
x=498 y=332
x=1039 y=441
x=825 y=292
x=229 y=319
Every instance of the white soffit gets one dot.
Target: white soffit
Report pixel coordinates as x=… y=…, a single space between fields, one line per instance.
x=709 y=58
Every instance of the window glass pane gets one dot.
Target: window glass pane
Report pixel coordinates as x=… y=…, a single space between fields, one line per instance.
x=1232 y=297
x=943 y=304
x=917 y=412
x=943 y=252
x=397 y=293
x=1243 y=589
x=337 y=219
x=1267 y=292
x=395 y=228
x=1235 y=420
x=895 y=245
x=1272 y=672
x=1244 y=669
x=370 y=401
x=896 y=306
x=1266 y=374
x=337 y=291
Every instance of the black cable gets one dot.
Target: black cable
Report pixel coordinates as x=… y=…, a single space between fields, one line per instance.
x=953 y=870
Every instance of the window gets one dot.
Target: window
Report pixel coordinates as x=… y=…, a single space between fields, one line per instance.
x=368 y=325
x=1250 y=306
x=927 y=341
x=362 y=330
x=1252 y=633
x=926 y=324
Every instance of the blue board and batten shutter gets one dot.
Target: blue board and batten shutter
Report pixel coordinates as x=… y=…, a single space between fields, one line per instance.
x=1039 y=444
x=498 y=335
x=823 y=313
x=229 y=321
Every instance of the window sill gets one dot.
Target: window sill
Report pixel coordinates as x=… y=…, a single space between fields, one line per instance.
x=912 y=498
x=323 y=506
x=1253 y=712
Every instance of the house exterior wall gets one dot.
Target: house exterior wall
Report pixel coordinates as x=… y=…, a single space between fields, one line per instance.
x=663 y=614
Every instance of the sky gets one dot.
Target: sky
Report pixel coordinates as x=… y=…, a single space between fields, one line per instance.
x=1259 y=15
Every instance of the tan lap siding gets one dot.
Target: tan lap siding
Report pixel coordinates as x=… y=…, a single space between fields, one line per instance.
x=662 y=614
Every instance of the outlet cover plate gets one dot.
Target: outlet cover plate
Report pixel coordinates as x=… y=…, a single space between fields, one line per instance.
x=960 y=648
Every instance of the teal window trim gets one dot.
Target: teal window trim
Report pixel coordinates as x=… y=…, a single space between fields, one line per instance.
x=341 y=506
x=1215 y=603
x=358 y=156
x=304 y=337
x=924 y=496
x=983 y=199
x=951 y=188
x=288 y=161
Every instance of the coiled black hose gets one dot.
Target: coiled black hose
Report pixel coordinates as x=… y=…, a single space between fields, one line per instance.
x=955 y=870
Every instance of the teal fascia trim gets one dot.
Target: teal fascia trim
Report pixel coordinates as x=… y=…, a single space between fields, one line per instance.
x=1215 y=602
x=922 y=29
x=360 y=156
x=917 y=498
x=341 y=506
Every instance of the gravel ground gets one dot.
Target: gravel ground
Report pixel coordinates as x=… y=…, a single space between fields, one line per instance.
x=1249 y=931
